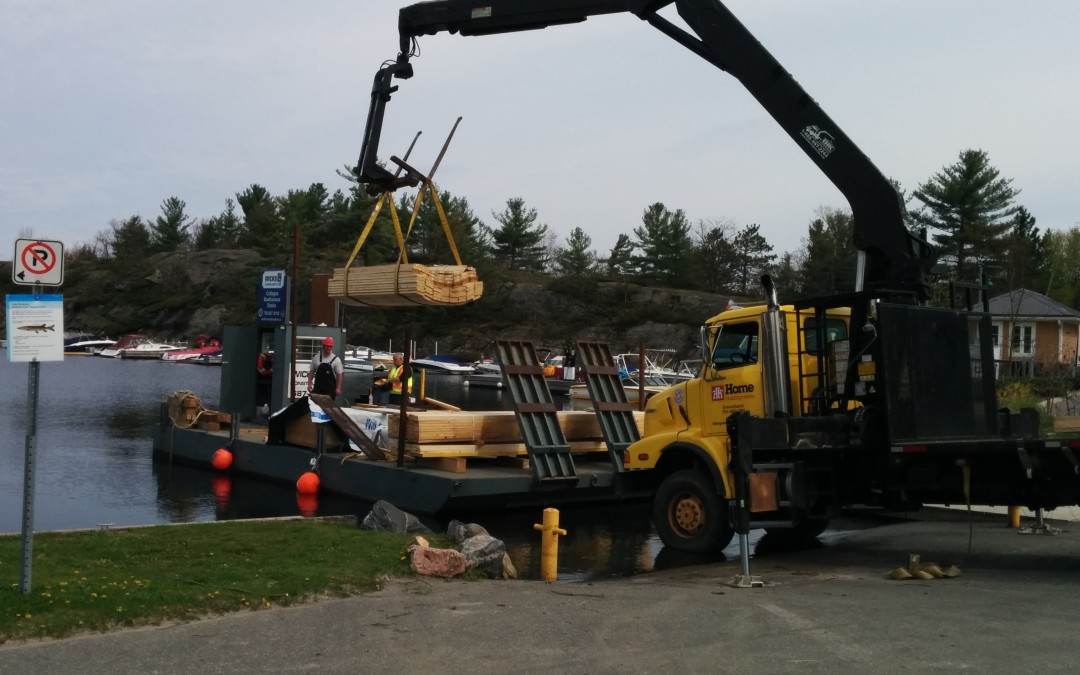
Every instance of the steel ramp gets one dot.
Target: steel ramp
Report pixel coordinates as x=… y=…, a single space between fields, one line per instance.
x=608 y=397
x=549 y=453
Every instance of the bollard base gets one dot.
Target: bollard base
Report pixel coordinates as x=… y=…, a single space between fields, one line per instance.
x=746 y=581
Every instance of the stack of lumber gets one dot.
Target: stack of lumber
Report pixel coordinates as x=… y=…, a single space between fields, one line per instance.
x=1066 y=424
x=444 y=433
x=405 y=285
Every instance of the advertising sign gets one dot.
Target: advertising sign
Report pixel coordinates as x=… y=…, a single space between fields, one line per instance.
x=273 y=298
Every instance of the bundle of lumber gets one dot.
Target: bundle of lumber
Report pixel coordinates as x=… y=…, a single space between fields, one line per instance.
x=436 y=433
x=405 y=285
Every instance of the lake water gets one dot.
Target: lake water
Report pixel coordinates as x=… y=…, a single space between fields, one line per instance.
x=94 y=467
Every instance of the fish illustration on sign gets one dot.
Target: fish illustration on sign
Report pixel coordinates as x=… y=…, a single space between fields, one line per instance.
x=37 y=328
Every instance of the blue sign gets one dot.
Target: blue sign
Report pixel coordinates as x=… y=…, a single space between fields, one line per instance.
x=273 y=298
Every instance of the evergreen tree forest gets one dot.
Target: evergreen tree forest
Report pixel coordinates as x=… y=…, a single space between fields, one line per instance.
x=971 y=212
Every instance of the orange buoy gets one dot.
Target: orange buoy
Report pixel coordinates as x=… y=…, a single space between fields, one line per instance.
x=308 y=483
x=222 y=459
x=308 y=504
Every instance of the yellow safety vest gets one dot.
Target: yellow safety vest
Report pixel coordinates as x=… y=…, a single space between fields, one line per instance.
x=395 y=385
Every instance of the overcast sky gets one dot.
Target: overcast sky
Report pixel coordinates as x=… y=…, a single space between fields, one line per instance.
x=109 y=107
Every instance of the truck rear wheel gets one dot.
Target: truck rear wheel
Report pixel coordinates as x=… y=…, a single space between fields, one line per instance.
x=689 y=515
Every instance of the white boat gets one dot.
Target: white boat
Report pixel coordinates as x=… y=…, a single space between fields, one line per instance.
x=125 y=341
x=375 y=356
x=149 y=350
x=579 y=393
x=360 y=365
x=87 y=347
x=442 y=363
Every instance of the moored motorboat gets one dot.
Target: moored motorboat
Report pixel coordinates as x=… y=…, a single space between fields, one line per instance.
x=125 y=341
x=146 y=349
x=86 y=345
x=204 y=344
x=442 y=363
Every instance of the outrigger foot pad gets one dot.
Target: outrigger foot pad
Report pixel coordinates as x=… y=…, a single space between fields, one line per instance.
x=746 y=581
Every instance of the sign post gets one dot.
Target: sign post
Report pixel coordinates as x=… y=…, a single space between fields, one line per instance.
x=35 y=333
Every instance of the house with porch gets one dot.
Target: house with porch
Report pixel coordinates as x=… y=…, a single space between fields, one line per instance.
x=1030 y=328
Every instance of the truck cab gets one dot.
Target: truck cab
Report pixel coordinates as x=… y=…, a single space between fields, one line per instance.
x=687 y=429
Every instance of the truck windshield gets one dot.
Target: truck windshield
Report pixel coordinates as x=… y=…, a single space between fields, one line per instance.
x=736 y=345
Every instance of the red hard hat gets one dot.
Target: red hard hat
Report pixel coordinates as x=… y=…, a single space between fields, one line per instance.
x=328 y=342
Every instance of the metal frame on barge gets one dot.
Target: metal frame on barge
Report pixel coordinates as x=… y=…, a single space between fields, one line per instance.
x=551 y=473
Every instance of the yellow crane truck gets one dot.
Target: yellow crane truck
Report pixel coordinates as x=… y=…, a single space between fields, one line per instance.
x=864 y=398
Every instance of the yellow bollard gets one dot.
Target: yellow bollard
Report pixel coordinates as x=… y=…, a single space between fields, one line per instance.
x=1014 y=516
x=549 y=544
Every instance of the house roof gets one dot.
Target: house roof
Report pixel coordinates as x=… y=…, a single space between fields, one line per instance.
x=1023 y=302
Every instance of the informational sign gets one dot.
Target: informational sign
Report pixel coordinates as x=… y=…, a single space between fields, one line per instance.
x=35 y=328
x=38 y=262
x=273 y=298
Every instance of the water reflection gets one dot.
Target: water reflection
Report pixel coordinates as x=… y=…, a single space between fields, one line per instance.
x=187 y=494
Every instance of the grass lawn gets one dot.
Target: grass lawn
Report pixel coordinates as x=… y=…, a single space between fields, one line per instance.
x=100 y=580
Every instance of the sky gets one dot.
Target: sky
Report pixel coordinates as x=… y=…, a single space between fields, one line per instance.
x=107 y=108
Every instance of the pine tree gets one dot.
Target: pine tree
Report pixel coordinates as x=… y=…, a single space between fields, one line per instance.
x=830 y=256
x=169 y=231
x=664 y=245
x=970 y=205
x=753 y=255
x=620 y=258
x=576 y=260
x=519 y=242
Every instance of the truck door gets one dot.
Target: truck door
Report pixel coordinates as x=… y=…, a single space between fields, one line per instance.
x=732 y=379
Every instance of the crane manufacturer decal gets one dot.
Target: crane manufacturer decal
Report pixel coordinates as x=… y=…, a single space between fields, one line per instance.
x=819 y=139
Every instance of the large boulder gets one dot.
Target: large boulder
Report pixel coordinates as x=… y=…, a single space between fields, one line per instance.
x=485 y=553
x=459 y=531
x=385 y=517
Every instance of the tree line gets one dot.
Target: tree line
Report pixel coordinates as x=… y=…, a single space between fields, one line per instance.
x=971 y=213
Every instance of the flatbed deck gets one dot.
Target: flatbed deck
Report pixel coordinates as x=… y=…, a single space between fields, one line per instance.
x=416 y=486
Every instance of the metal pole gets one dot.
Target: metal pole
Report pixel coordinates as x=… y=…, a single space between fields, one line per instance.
x=28 y=480
x=292 y=311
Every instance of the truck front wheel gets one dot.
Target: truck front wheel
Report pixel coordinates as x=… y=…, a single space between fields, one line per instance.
x=689 y=515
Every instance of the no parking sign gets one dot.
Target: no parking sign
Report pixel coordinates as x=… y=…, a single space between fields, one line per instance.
x=38 y=262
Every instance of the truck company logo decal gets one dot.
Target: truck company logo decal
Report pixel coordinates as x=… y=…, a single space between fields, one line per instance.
x=721 y=391
x=820 y=140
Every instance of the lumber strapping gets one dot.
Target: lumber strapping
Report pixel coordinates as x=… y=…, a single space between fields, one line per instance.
x=432 y=450
x=405 y=285
x=497 y=426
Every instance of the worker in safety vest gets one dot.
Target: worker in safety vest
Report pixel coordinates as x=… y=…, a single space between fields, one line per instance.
x=397 y=377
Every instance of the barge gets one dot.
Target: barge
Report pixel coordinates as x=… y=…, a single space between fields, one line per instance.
x=358 y=451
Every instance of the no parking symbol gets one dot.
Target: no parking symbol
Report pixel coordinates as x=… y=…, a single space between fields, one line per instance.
x=38 y=262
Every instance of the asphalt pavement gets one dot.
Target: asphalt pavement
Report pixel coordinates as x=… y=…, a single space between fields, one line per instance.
x=827 y=609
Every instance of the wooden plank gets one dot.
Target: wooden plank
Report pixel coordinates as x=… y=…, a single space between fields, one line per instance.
x=427 y=450
x=1066 y=423
x=496 y=426
x=451 y=464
